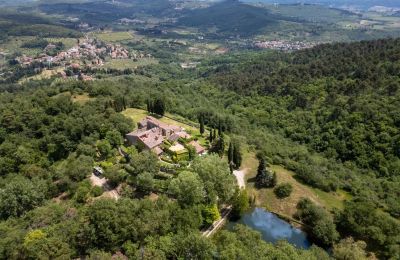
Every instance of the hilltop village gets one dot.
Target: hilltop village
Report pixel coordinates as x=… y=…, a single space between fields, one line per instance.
x=86 y=54
x=284 y=45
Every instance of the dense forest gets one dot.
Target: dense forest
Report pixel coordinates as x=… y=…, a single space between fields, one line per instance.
x=330 y=114
x=48 y=145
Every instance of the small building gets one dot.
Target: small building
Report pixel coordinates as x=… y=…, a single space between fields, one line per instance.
x=151 y=133
x=199 y=149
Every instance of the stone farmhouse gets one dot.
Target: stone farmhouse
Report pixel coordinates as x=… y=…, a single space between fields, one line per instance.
x=152 y=133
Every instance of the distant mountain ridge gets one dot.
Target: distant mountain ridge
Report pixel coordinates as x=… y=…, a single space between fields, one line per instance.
x=231 y=18
x=361 y=4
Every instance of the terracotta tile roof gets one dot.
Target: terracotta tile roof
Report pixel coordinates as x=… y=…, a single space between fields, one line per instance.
x=199 y=149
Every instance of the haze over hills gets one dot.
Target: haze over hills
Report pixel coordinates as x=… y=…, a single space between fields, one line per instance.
x=186 y=129
x=359 y=4
x=231 y=18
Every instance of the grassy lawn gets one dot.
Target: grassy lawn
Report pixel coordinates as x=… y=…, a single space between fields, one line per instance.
x=114 y=36
x=266 y=197
x=138 y=114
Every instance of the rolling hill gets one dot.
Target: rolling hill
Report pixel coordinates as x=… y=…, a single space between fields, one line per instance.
x=231 y=18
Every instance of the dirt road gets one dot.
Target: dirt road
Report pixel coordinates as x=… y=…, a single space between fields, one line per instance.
x=240 y=178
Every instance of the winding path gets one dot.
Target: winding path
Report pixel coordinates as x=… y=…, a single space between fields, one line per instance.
x=239 y=174
x=219 y=223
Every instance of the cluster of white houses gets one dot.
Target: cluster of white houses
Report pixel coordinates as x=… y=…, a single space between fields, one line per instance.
x=152 y=134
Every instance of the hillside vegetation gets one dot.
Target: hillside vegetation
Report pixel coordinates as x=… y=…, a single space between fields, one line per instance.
x=231 y=18
x=326 y=119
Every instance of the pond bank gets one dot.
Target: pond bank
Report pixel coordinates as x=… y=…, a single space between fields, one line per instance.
x=273 y=228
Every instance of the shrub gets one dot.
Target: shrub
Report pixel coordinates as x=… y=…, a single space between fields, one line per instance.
x=283 y=190
x=97 y=191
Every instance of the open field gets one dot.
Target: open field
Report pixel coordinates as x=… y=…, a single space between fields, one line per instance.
x=139 y=114
x=287 y=207
x=68 y=42
x=45 y=74
x=114 y=36
x=76 y=98
x=81 y=99
x=14 y=45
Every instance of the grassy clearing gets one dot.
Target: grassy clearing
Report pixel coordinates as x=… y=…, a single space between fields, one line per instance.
x=114 y=36
x=45 y=74
x=76 y=98
x=267 y=199
x=81 y=99
x=138 y=114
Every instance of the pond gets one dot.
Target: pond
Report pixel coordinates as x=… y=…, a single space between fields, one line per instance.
x=272 y=228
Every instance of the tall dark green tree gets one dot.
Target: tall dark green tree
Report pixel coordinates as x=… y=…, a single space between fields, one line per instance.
x=230 y=153
x=159 y=107
x=149 y=105
x=237 y=156
x=274 y=179
x=264 y=177
x=201 y=121
x=219 y=146
x=220 y=130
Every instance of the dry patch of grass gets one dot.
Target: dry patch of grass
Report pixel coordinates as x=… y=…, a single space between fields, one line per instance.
x=287 y=206
x=45 y=74
x=81 y=99
x=76 y=98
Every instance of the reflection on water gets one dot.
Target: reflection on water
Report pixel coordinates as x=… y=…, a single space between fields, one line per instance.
x=273 y=228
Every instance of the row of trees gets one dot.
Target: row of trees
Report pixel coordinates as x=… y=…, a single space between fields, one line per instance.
x=156 y=106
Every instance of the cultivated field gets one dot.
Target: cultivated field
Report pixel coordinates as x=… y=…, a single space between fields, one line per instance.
x=114 y=36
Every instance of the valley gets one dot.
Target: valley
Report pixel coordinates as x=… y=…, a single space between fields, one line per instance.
x=137 y=129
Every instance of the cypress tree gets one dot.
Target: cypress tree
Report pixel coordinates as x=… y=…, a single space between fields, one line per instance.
x=237 y=156
x=201 y=119
x=263 y=178
x=159 y=107
x=274 y=180
x=149 y=105
x=230 y=153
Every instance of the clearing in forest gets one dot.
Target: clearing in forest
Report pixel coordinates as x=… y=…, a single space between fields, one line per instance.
x=267 y=199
